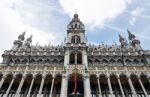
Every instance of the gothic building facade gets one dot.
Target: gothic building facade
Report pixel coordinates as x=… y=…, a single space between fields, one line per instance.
x=75 y=68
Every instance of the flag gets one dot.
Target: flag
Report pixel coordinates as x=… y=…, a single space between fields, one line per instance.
x=75 y=83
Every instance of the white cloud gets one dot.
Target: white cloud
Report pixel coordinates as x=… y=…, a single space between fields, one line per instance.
x=137 y=11
x=132 y=21
x=95 y=12
x=134 y=14
x=17 y=16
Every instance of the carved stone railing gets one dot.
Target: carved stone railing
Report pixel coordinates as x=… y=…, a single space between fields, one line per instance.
x=72 y=68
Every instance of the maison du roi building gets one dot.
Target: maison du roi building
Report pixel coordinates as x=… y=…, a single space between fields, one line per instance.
x=75 y=69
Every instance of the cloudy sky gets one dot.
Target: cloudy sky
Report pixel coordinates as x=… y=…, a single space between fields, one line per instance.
x=46 y=20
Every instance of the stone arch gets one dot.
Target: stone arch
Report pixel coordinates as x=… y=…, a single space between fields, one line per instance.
x=61 y=61
x=119 y=61
x=104 y=85
x=15 y=84
x=145 y=81
x=79 y=84
x=97 y=60
x=128 y=61
x=137 y=86
x=24 y=61
x=1 y=76
x=125 y=85
x=47 y=85
x=113 y=61
x=26 y=84
x=7 y=81
x=115 y=85
x=94 y=85
x=17 y=61
x=135 y=61
x=57 y=85
x=36 y=85
x=47 y=61
x=104 y=61
x=90 y=61
x=32 y=61
x=39 y=61
x=55 y=61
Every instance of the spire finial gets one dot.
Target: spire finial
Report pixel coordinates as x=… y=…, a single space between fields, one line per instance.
x=75 y=11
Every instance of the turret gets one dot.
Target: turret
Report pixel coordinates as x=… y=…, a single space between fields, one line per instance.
x=75 y=31
x=134 y=42
x=18 y=43
x=28 y=42
x=123 y=42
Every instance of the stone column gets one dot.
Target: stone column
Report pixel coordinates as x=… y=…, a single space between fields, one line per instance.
x=20 y=86
x=110 y=88
x=64 y=85
x=28 y=95
x=84 y=58
x=11 y=83
x=2 y=81
x=87 y=88
x=75 y=58
x=66 y=60
x=121 y=87
x=53 y=78
x=41 y=85
x=132 y=87
x=99 y=87
x=143 y=87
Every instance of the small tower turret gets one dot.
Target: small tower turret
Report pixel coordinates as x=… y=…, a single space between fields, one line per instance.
x=134 y=42
x=123 y=42
x=75 y=31
x=18 y=43
x=28 y=42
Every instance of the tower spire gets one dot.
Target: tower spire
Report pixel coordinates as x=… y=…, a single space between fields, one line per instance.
x=75 y=11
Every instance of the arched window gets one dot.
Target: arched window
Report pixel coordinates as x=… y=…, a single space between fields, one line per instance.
x=72 y=58
x=75 y=39
x=79 y=58
x=75 y=25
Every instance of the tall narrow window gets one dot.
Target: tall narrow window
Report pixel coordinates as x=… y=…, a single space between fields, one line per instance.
x=72 y=58
x=75 y=39
x=79 y=58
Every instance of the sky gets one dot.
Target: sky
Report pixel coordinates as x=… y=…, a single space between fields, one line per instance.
x=47 y=20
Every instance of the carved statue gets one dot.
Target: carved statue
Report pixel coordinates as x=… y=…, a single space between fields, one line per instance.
x=122 y=41
x=21 y=37
x=131 y=36
x=28 y=42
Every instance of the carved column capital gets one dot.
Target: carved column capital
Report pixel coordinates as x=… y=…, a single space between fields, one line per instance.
x=97 y=76
x=64 y=76
x=86 y=76
x=24 y=76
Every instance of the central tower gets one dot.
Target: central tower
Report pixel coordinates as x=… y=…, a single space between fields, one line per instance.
x=75 y=43
x=76 y=54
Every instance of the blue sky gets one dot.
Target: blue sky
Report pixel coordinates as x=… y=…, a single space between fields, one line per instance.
x=47 y=20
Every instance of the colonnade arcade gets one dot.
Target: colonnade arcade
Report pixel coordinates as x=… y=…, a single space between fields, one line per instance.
x=29 y=85
x=48 y=85
x=120 y=86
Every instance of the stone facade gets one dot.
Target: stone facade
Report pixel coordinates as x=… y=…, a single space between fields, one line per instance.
x=100 y=70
